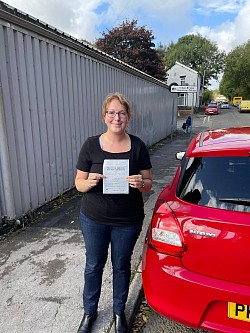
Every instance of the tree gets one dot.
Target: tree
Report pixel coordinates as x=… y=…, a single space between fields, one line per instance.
x=207 y=97
x=236 y=76
x=134 y=46
x=198 y=53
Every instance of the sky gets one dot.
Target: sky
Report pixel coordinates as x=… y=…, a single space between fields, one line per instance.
x=224 y=22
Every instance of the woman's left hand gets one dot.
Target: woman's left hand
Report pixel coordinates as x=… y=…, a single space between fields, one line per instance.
x=135 y=181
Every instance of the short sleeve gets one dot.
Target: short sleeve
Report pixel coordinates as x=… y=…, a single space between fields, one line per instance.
x=144 y=157
x=84 y=160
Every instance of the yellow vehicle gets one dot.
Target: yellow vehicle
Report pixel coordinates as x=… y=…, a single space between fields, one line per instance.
x=237 y=100
x=244 y=106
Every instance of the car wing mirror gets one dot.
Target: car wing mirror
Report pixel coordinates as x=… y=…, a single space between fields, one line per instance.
x=180 y=155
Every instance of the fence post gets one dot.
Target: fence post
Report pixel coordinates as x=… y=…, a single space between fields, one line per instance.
x=7 y=202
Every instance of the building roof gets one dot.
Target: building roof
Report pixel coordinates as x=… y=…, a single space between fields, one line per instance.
x=186 y=67
x=183 y=66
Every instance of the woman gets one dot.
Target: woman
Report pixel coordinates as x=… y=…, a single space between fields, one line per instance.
x=109 y=213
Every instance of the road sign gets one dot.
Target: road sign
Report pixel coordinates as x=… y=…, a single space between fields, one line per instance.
x=183 y=89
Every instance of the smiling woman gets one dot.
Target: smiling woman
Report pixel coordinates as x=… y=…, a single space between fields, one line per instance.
x=113 y=170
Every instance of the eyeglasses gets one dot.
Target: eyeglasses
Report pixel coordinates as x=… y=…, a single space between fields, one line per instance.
x=121 y=114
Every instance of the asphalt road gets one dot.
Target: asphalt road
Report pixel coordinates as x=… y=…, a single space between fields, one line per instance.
x=148 y=321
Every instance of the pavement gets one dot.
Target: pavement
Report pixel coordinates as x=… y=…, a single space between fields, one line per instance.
x=41 y=264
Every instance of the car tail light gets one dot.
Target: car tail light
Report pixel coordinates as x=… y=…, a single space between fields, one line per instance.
x=165 y=233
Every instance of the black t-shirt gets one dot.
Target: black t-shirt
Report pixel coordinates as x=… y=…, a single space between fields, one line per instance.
x=113 y=209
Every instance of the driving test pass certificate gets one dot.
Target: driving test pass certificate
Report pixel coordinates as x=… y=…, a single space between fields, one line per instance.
x=116 y=172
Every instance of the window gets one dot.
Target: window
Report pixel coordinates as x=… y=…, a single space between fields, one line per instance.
x=219 y=182
x=182 y=99
x=183 y=80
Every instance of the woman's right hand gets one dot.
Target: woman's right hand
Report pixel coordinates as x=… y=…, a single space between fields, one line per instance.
x=94 y=178
x=84 y=181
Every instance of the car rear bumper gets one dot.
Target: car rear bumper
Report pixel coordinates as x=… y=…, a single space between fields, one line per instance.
x=243 y=110
x=211 y=112
x=189 y=298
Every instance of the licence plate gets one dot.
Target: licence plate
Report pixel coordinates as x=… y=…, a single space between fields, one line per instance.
x=239 y=311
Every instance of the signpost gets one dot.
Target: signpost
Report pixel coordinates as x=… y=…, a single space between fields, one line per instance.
x=183 y=89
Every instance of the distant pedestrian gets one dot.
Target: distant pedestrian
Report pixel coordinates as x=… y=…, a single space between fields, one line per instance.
x=188 y=124
x=111 y=218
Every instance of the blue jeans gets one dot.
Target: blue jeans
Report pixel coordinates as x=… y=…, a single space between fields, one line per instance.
x=97 y=238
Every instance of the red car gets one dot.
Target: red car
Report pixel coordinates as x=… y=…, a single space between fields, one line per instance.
x=212 y=109
x=196 y=258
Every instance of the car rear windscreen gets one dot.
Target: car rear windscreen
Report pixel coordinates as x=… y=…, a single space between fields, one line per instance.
x=219 y=182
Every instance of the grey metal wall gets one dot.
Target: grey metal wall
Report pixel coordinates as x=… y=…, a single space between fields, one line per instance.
x=51 y=93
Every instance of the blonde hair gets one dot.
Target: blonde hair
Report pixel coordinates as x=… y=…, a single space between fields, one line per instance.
x=121 y=98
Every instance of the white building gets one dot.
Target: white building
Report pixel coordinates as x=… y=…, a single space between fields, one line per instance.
x=181 y=75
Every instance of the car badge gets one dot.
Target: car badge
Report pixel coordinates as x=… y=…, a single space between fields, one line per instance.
x=202 y=233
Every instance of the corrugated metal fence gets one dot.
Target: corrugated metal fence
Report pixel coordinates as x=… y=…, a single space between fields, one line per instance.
x=51 y=92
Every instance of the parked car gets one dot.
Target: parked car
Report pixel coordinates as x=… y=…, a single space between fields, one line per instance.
x=224 y=105
x=211 y=109
x=244 y=106
x=196 y=252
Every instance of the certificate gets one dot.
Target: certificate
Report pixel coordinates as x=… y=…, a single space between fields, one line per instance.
x=116 y=172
